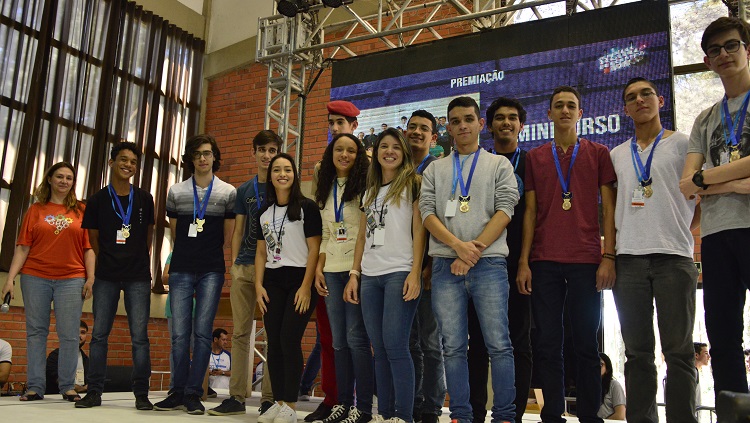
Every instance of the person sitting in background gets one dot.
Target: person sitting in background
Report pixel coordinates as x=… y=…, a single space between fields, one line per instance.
x=81 y=380
x=220 y=364
x=6 y=352
x=701 y=359
x=436 y=150
x=613 y=396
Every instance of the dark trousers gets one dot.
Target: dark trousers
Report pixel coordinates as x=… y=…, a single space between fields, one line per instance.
x=519 y=323
x=553 y=285
x=669 y=280
x=284 y=328
x=726 y=277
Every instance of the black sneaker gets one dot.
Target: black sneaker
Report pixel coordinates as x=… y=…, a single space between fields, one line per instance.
x=173 y=402
x=211 y=393
x=228 y=407
x=338 y=414
x=193 y=405
x=264 y=406
x=356 y=416
x=320 y=413
x=92 y=399
x=429 y=418
x=142 y=403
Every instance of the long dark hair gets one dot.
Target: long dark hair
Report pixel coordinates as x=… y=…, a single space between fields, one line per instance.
x=607 y=376
x=355 y=183
x=294 y=212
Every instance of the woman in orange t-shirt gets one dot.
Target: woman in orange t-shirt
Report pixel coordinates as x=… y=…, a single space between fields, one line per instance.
x=56 y=263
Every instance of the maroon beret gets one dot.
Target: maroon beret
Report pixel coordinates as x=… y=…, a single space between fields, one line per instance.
x=343 y=108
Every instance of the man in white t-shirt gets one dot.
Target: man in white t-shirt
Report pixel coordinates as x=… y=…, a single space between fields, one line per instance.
x=6 y=352
x=654 y=258
x=220 y=364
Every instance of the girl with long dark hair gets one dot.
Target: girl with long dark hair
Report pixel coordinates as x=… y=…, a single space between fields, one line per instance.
x=341 y=183
x=289 y=231
x=613 y=396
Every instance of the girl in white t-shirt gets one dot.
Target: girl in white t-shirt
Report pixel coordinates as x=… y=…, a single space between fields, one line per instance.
x=289 y=231
x=389 y=251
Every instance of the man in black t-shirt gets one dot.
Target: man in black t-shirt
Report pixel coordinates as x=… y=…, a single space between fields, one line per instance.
x=120 y=222
x=505 y=119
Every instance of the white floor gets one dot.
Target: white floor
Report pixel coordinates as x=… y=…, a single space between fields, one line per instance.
x=120 y=408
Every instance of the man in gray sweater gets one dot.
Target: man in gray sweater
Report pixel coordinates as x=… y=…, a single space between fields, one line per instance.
x=466 y=203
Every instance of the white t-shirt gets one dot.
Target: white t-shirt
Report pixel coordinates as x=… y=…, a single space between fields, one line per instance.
x=6 y=352
x=221 y=361
x=662 y=225
x=397 y=252
x=276 y=229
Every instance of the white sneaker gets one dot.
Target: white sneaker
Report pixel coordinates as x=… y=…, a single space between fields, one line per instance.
x=270 y=414
x=286 y=415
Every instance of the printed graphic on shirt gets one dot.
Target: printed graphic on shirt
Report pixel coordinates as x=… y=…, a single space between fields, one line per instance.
x=375 y=215
x=718 y=142
x=60 y=222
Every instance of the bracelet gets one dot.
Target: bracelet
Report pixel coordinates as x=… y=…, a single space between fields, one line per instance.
x=355 y=273
x=608 y=256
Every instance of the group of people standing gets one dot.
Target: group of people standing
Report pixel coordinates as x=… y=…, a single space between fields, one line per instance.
x=408 y=253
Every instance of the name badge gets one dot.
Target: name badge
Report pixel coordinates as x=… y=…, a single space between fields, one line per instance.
x=120 y=238
x=378 y=236
x=637 y=200
x=341 y=235
x=192 y=230
x=450 y=208
x=79 y=377
x=723 y=158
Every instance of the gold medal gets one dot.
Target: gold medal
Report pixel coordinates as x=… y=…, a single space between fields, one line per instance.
x=648 y=191
x=200 y=223
x=125 y=233
x=735 y=154
x=566 y=204
x=464 y=203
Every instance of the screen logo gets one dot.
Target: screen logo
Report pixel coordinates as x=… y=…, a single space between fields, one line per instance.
x=621 y=58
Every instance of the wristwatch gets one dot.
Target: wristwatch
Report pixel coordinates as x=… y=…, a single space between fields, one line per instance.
x=698 y=179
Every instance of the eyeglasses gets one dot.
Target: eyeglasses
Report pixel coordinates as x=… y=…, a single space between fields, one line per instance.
x=731 y=46
x=645 y=95
x=207 y=154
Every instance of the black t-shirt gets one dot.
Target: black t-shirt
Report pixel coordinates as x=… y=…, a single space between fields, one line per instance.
x=121 y=262
x=515 y=227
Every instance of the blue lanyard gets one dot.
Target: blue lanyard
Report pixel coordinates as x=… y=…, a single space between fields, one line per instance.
x=257 y=193
x=458 y=176
x=338 y=209
x=421 y=166
x=516 y=157
x=199 y=207
x=125 y=216
x=733 y=129
x=565 y=183
x=643 y=173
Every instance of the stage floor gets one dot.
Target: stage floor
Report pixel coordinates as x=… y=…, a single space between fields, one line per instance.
x=119 y=407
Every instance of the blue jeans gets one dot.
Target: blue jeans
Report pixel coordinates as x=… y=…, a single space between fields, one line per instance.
x=487 y=285
x=312 y=366
x=388 y=321
x=38 y=294
x=352 y=353
x=554 y=284
x=427 y=354
x=669 y=280
x=206 y=287
x=137 y=307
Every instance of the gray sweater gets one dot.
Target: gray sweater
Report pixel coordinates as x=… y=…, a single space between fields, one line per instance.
x=493 y=188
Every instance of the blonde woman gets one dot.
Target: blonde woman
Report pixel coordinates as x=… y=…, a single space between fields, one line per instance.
x=56 y=263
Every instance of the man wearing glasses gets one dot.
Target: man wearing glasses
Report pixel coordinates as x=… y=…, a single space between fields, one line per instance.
x=201 y=221
x=717 y=139
x=654 y=259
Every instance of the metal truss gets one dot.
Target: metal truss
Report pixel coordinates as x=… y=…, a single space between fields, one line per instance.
x=310 y=40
